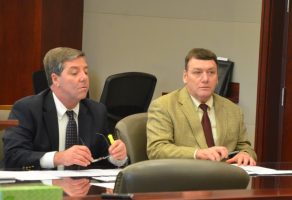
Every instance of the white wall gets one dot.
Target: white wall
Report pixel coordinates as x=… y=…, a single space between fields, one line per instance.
x=154 y=36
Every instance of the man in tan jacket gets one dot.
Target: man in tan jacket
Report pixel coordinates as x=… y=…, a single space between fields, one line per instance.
x=174 y=128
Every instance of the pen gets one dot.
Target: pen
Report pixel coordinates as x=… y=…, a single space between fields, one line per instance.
x=99 y=159
x=232 y=154
x=111 y=138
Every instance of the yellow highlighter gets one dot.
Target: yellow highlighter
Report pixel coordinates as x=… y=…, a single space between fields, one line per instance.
x=111 y=138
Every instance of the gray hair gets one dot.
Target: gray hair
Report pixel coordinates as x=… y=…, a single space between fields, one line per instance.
x=55 y=58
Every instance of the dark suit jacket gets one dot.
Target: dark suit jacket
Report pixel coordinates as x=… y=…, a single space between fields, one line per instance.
x=38 y=132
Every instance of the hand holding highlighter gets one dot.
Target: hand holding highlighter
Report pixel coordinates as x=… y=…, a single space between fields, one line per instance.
x=111 y=138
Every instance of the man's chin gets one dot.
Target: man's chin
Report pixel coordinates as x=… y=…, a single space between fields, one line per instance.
x=205 y=96
x=82 y=95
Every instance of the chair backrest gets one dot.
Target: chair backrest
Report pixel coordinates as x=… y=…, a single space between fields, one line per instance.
x=225 y=70
x=167 y=175
x=39 y=81
x=132 y=131
x=127 y=93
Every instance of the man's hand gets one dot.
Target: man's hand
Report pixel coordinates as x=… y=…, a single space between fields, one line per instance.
x=75 y=155
x=216 y=153
x=242 y=158
x=118 y=150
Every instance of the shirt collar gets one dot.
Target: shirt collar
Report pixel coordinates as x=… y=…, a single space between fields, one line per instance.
x=61 y=109
x=197 y=102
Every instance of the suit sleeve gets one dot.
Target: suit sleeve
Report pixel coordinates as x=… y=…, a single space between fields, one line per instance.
x=243 y=143
x=18 y=141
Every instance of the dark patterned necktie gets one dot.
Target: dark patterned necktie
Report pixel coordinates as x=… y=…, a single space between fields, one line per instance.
x=71 y=135
x=71 y=131
x=207 y=126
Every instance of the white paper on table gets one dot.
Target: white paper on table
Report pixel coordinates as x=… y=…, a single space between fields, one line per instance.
x=105 y=178
x=257 y=170
x=6 y=177
x=83 y=173
x=56 y=174
x=29 y=175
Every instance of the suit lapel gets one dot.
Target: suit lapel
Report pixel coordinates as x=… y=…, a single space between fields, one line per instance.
x=191 y=113
x=51 y=121
x=83 y=121
x=221 y=122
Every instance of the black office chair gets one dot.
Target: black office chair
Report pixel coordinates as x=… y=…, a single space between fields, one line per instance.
x=225 y=69
x=166 y=175
x=39 y=81
x=127 y=93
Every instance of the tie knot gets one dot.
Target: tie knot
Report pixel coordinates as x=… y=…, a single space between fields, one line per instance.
x=204 y=107
x=70 y=114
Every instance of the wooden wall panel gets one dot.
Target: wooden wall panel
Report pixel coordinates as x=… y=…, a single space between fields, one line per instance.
x=19 y=47
x=62 y=24
x=286 y=147
x=268 y=129
x=28 y=29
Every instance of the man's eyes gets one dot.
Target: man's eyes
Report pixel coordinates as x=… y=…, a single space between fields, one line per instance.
x=201 y=72
x=197 y=72
x=75 y=72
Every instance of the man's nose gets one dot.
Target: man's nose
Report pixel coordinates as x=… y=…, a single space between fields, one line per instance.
x=204 y=76
x=83 y=76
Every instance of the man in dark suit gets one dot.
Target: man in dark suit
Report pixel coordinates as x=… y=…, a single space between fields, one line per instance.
x=39 y=139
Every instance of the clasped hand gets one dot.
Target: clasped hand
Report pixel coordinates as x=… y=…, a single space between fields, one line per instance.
x=81 y=155
x=218 y=153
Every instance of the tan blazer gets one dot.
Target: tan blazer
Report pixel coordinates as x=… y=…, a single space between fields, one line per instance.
x=174 y=129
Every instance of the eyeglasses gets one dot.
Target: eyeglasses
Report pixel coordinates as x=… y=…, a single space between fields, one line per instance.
x=100 y=158
x=97 y=159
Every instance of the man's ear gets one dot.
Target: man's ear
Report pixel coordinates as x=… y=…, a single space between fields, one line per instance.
x=55 y=79
x=185 y=76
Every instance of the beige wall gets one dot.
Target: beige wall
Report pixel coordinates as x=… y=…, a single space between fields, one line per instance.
x=154 y=36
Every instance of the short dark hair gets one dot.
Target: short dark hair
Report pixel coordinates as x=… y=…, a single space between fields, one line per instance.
x=201 y=54
x=55 y=58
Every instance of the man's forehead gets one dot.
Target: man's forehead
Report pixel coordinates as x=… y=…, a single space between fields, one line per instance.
x=75 y=64
x=76 y=67
x=205 y=65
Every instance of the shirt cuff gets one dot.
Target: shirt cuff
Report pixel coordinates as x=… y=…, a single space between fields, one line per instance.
x=116 y=162
x=195 y=154
x=47 y=160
